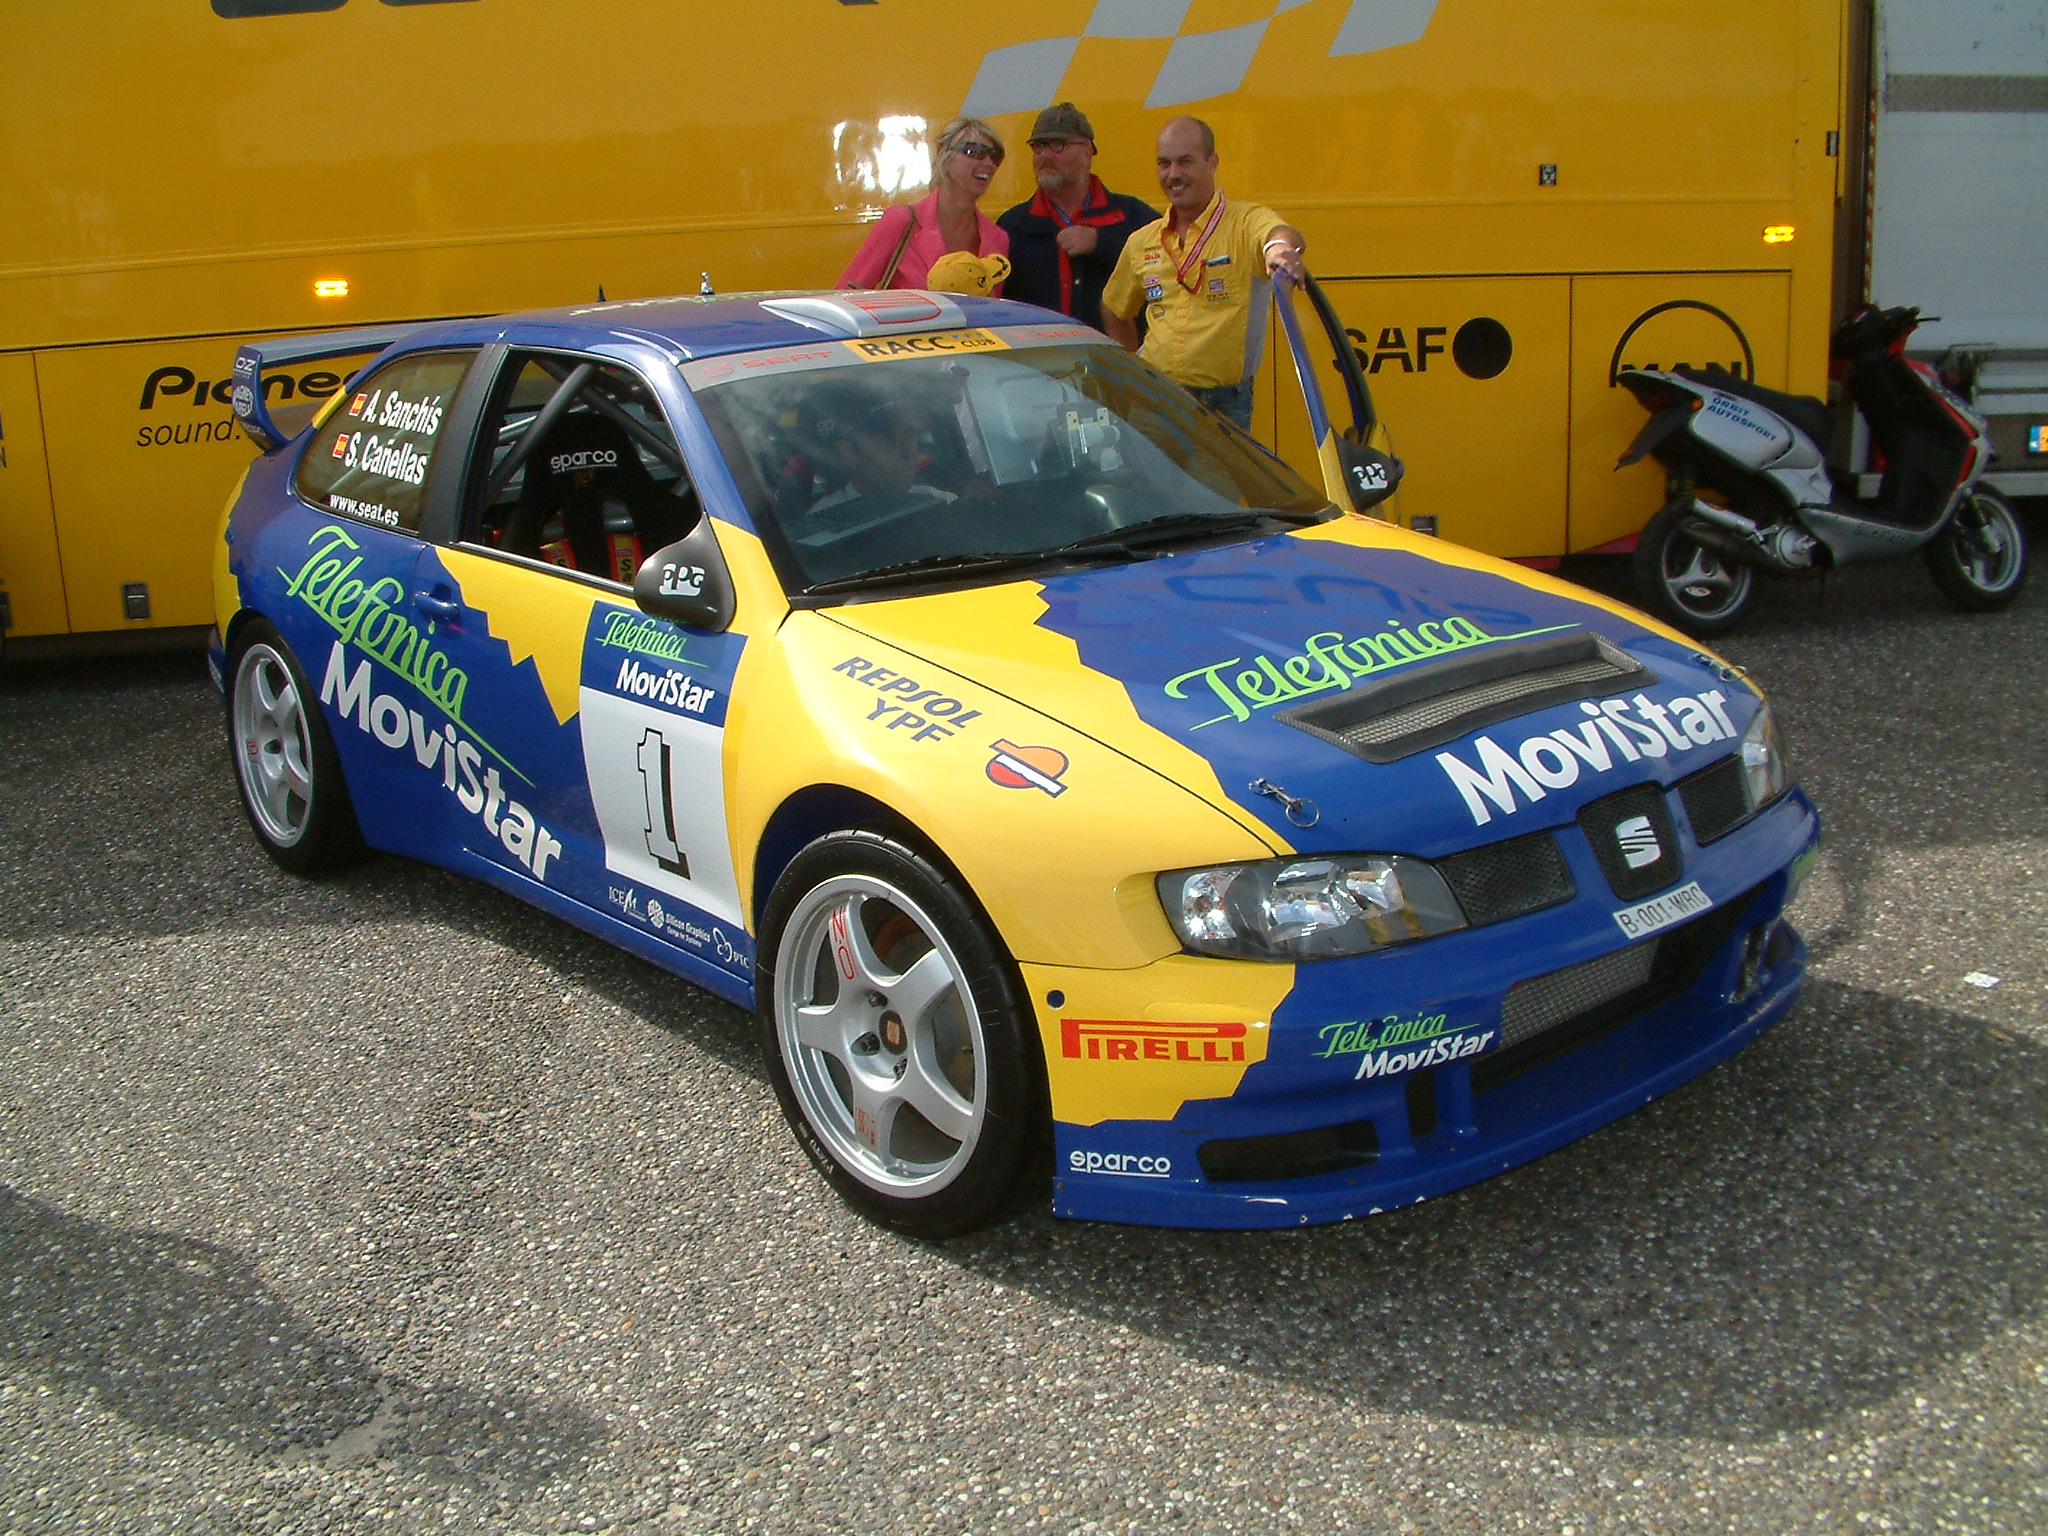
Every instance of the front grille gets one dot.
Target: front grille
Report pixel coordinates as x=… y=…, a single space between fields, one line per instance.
x=1543 y=1002
x=1291 y=1155
x=1715 y=799
x=1674 y=962
x=1633 y=825
x=1504 y=880
x=1394 y=717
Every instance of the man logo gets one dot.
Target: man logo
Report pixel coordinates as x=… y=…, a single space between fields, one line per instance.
x=1683 y=333
x=1638 y=840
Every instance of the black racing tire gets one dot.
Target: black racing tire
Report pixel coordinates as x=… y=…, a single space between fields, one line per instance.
x=1980 y=559
x=899 y=1038
x=1688 y=583
x=289 y=775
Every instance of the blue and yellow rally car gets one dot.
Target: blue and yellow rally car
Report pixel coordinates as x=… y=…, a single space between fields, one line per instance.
x=1061 y=777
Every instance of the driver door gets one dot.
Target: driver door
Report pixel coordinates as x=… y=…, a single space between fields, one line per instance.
x=614 y=720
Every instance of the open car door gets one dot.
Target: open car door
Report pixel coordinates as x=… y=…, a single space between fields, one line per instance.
x=1358 y=465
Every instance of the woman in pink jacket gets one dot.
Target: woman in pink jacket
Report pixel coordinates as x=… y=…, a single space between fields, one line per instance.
x=963 y=164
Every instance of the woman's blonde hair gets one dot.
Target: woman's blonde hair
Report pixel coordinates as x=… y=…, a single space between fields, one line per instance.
x=955 y=133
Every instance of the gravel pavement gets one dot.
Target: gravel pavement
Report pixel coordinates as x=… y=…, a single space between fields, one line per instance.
x=385 y=1203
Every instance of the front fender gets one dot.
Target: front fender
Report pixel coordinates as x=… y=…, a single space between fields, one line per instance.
x=1058 y=835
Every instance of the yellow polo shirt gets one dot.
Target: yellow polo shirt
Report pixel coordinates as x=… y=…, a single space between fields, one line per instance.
x=1212 y=335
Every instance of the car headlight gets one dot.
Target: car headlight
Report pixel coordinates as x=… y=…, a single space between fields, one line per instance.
x=1764 y=774
x=1308 y=909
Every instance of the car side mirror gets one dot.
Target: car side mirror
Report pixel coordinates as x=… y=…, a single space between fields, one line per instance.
x=687 y=582
x=1369 y=475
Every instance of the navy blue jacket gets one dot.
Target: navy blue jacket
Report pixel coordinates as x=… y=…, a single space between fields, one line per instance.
x=1041 y=273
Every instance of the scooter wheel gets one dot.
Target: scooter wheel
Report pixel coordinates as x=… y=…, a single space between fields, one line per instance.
x=1686 y=582
x=1980 y=559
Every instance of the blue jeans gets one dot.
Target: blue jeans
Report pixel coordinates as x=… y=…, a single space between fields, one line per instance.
x=1233 y=400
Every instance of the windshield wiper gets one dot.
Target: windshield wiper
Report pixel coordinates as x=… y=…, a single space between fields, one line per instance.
x=1109 y=545
x=1178 y=525
x=932 y=565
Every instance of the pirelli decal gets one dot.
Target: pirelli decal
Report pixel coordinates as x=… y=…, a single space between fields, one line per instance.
x=882 y=349
x=1142 y=1040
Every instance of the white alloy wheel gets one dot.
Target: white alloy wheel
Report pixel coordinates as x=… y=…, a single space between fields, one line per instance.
x=273 y=746
x=880 y=1035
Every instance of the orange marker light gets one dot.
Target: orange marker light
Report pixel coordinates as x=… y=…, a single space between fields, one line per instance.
x=337 y=287
x=1778 y=234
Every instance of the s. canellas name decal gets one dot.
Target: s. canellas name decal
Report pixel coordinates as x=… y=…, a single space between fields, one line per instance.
x=1332 y=660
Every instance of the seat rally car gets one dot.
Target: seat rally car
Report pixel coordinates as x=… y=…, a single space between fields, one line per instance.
x=1063 y=780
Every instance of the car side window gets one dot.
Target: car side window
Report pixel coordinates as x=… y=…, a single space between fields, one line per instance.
x=577 y=467
x=369 y=461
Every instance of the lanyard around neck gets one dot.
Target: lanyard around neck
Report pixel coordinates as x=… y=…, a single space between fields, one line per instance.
x=1192 y=260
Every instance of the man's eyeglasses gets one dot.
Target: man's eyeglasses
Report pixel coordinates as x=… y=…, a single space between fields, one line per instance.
x=974 y=149
x=1052 y=144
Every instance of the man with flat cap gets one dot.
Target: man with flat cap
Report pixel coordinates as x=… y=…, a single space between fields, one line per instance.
x=1065 y=241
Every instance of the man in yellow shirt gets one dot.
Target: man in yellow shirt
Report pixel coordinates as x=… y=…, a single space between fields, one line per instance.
x=1201 y=275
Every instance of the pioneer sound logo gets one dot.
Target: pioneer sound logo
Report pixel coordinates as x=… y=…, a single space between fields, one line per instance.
x=1142 y=1040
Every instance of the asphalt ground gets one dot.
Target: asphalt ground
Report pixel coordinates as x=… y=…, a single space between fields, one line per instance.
x=388 y=1204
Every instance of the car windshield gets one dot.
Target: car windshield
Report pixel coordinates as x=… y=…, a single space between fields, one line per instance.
x=864 y=474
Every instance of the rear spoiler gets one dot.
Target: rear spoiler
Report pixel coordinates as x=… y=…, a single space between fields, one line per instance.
x=249 y=398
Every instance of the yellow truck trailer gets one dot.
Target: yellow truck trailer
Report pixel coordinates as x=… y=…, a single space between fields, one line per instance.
x=1506 y=203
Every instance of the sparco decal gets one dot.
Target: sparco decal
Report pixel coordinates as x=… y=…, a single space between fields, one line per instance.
x=1125 y=1165
x=369 y=616
x=936 y=716
x=1333 y=661
x=1142 y=1040
x=386 y=718
x=1612 y=736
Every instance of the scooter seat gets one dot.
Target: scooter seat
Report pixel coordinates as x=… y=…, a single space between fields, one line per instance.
x=1809 y=415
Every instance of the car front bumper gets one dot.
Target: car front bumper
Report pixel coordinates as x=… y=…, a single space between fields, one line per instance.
x=1308 y=1136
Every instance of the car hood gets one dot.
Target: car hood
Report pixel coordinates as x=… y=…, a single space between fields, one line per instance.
x=1220 y=651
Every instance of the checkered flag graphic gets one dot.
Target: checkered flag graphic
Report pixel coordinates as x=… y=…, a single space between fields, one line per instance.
x=1025 y=77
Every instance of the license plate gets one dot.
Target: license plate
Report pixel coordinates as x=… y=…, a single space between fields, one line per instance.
x=1662 y=911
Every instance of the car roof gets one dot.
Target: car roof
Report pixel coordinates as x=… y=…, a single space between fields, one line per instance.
x=740 y=322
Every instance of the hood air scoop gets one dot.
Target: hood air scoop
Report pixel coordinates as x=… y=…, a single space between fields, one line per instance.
x=1387 y=720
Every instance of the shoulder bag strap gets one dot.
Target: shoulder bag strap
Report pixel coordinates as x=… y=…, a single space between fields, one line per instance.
x=902 y=245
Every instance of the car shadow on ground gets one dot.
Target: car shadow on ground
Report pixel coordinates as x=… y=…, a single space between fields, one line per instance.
x=183 y=1338
x=1839 y=1212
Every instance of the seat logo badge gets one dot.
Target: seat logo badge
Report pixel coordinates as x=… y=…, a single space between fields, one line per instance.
x=1638 y=840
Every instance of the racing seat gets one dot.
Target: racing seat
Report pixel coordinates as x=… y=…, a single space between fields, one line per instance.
x=588 y=504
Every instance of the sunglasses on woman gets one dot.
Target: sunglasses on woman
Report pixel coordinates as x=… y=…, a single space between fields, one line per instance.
x=974 y=149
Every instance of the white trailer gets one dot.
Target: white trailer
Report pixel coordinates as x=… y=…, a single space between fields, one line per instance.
x=1958 y=211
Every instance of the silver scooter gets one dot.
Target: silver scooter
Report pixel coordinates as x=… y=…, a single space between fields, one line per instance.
x=1748 y=488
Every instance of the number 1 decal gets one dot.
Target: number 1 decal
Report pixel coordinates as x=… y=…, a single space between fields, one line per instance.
x=661 y=805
